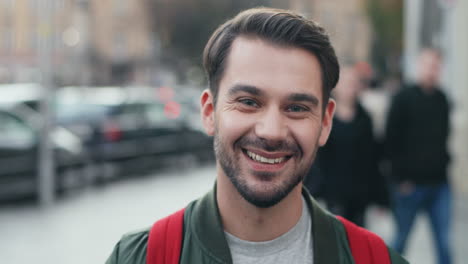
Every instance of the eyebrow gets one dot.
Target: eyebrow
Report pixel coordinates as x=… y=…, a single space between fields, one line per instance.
x=301 y=97
x=295 y=97
x=245 y=88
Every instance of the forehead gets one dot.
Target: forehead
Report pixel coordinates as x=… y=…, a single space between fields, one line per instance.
x=273 y=68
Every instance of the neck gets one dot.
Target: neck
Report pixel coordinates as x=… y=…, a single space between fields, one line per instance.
x=427 y=86
x=248 y=222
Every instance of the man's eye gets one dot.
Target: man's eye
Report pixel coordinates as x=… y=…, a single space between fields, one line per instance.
x=297 y=108
x=249 y=102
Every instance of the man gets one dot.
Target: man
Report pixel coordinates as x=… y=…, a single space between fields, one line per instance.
x=417 y=131
x=270 y=74
x=347 y=172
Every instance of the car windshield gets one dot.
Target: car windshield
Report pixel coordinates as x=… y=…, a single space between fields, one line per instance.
x=69 y=113
x=14 y=133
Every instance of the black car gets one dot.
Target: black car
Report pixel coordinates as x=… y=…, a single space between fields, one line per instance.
x=136 y=137
x=19 y=145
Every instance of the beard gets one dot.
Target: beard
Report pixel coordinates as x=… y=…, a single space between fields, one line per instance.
x=267 y=197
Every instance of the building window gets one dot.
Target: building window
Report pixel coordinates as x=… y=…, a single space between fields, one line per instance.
x=33 y=4
x=33 y=40
x=60 y=4
x=58 y=41
x=7 y=39
x=10 y=4
x=120 y=7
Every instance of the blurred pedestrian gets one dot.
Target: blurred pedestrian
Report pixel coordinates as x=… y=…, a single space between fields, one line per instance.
x=268 y=109
x=375 y=96
x=417 y=132
x=347 y=164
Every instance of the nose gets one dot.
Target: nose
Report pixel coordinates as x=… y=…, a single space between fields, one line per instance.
x=271 y=126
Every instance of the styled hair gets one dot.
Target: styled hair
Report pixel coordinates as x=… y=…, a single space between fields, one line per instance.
x=279 y=27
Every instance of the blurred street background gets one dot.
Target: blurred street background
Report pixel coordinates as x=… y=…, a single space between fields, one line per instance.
x=99 y=110
x=84 y=227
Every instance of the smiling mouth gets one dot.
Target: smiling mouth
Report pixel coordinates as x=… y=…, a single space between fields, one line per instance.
x=265 y=160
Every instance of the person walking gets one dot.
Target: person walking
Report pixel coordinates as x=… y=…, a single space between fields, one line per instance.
x=347 y=164
x=416 y=139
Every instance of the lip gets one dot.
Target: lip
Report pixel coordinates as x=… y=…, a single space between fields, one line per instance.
x=269 y=155
x=265 y=167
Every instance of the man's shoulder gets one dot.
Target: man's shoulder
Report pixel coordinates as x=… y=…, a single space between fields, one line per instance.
x=131 y=248
x=365 y=244
x=136 y=237
x=407 y=90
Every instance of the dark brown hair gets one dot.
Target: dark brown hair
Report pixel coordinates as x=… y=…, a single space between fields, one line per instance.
x=279 y=27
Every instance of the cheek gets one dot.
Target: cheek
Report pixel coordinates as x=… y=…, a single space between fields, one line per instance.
x=233 y=125
x=306 y=136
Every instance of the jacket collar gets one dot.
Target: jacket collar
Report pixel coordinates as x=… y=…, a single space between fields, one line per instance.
x=205 y=223
x=325 y=239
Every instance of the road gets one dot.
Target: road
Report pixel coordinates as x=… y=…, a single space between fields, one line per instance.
x=83 y=227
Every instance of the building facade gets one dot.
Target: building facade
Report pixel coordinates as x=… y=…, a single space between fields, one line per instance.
x=346 y=22
x=92 y=41
x=122 y=40
x=457 y=79
x=23 y=30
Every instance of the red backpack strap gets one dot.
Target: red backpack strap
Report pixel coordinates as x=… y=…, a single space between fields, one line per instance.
x=366 y=247
x=165 y=240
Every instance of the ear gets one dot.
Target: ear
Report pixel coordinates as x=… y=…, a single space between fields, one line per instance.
x=327 y=122
x=207 y=112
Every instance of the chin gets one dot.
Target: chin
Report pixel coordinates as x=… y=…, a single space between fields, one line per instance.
x=267 y=192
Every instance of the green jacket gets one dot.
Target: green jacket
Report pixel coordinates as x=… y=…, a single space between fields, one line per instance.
x=204 y=240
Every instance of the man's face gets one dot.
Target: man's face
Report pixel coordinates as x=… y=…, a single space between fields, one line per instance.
x=429 y=68
x=268 y=120
x=349 y=86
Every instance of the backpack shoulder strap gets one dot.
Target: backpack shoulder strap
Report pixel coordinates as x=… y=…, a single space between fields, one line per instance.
x=366 y=247
x=165 y=240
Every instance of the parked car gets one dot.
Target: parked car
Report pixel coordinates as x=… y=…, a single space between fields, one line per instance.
x=136 y=137
x=19 y=145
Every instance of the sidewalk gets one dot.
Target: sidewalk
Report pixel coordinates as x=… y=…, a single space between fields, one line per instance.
x=84 y=228
x=420 y=244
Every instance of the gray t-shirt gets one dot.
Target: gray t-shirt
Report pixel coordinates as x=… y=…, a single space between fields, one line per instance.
x=295 y=246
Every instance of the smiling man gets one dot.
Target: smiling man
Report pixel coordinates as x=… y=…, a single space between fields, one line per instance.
x=268 y=108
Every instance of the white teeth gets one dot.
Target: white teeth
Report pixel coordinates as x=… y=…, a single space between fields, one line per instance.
x=259 y=158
